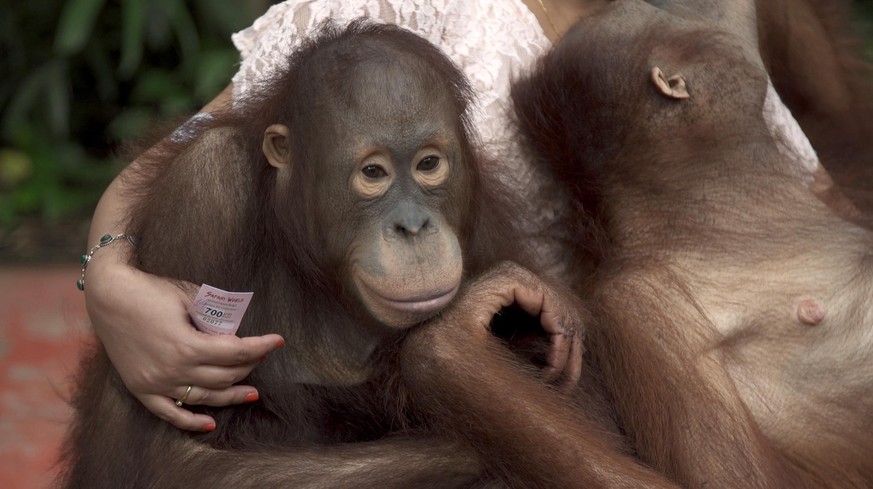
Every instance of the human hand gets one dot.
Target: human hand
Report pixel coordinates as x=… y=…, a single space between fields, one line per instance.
x=468 y=319
x=143 y=323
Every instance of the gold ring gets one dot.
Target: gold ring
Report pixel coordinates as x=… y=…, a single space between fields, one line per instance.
x=184 y=397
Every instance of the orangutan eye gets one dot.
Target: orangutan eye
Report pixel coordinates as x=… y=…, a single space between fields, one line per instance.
x=428 y=164
x=374 y=172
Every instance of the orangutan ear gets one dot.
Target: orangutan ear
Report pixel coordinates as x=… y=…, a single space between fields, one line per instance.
x=672 y=87
x=277 y=145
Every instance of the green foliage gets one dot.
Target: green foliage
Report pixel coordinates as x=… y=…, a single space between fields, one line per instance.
x=80 y=76
x=864 y=23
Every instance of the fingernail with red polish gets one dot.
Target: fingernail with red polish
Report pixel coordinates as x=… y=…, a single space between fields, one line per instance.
x=209 y=427
x=263 y=358
x=280 y=343
x=251 y=397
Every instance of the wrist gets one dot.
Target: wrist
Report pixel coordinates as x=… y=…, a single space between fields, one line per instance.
x=109 y=277
x=108 y=258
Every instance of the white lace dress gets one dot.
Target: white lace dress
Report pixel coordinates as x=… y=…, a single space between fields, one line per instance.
x=490 y=40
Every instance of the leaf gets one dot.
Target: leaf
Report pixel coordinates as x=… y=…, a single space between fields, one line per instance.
x=98 y=60
x=27 y=198
x=214 y=71
x=131 y=124
x=133 y=21
x=8 y=213
x=45 y=85
x=77 y=22
x=180 y=18
x=58 y=205
x=153 y=86
x=58 y=98
x=178 y=105
x=229 y=16
x=15 y=167
x=22 y=101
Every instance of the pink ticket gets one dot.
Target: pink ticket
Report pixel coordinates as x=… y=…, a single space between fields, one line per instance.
x=217 y=311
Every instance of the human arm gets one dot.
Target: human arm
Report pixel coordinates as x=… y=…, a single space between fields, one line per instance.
x=150 y=339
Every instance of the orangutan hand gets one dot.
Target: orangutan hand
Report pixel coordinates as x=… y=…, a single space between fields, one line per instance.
x=464 y=328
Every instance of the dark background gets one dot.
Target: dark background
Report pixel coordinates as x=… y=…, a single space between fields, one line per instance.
x=78 y=77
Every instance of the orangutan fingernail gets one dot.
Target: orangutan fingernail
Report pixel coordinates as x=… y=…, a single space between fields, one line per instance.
x=209 y=427
x=251 y=397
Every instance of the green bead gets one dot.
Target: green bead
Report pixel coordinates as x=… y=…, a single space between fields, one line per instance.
x=105 y=239
x=84 y=259
x=80 y=284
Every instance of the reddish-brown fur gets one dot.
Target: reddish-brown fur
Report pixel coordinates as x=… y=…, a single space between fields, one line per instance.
x=455 y=408
x=712 y=241
x=212 y=210
x=533 y=435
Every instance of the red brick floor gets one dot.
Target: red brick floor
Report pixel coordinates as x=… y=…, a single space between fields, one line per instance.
x=42 y=328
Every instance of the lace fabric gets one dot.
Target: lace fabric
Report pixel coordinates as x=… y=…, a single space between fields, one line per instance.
x=790 y=139
x=491 y=41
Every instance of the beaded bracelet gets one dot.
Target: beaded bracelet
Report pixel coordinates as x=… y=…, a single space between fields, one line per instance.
x=105 y=240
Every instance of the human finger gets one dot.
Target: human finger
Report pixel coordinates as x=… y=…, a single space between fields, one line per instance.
x=229 y=350
x=166 y=409
x=201 y=396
